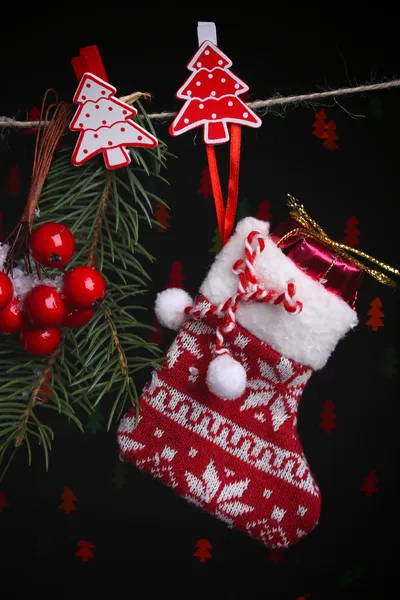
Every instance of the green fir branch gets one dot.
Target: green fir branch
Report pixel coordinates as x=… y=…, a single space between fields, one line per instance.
x=106 y=211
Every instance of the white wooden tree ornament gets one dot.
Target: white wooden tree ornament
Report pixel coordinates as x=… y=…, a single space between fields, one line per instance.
x=105 y=125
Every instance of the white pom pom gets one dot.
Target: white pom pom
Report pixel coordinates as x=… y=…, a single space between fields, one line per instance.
x=170 y=307
x=226 y=377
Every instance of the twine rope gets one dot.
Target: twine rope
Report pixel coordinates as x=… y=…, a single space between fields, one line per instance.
x=260 y=106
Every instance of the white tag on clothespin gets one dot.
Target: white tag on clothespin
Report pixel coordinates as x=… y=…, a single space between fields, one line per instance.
x=206 y=30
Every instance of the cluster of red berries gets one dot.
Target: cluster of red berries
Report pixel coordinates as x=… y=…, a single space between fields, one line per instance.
x=41 y=312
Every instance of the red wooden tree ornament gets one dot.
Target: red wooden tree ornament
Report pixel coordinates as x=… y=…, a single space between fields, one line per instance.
x=211 y=93
x=105 y=124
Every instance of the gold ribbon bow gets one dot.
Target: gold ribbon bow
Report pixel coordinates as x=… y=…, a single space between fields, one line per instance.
x=311 y=229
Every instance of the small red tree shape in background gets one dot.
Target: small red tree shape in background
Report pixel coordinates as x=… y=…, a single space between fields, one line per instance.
x=375 y=313
x=85 y=550
x=203 y=550
x=175 y=277
x=328 y=417
x=205 y=188
x=33 y=115
x=14 y=181
x=370 y=482
x=162 y=215
x=263 y=211
x=157 y=336
x=211 y=93
x=105 y=124
x=319 y=125
x=68 y=498
x=330 y=137
x=3 y=501
x=352 y=233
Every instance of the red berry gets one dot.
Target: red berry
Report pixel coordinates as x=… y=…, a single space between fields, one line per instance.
x=6 y=290
x=77 y=318
x=12 y=318
x=40 y=342
x=84 y=287
x=52 y=245
x=44 y=306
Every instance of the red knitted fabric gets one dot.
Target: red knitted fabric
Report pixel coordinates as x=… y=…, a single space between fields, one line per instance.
x=240 y=460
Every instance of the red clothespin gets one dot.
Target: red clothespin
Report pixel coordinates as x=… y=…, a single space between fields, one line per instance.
x=89 y=61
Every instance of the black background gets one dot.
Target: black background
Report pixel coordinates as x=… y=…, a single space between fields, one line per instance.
x=143 y=533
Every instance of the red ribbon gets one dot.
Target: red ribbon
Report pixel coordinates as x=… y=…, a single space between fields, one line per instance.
x=226 y=217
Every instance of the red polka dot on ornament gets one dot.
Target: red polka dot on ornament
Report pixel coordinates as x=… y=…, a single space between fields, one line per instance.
x=124 y=112
x=85 y=151
x=103 y=92
x=80 y=124
x=104 y=122
x=110 y=108
x=109 y=143
x=122 y=128
x=87 y=115
x=97 y=106
x=96 y=135
x=83 y=97
x=88 y=85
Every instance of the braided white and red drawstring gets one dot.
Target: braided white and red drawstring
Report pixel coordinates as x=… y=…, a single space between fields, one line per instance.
x=249 y=290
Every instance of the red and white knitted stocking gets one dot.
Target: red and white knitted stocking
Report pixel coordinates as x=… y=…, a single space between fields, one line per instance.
x=218 y=421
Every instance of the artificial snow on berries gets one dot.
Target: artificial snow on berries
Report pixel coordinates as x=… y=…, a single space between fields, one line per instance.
x=76 y=318
x=52 y=245
x=6 y=290
x=84 y=288
x=44 y=306
x=12 y=318
x=40 y=342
